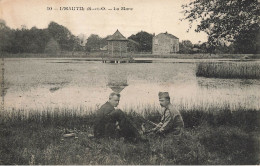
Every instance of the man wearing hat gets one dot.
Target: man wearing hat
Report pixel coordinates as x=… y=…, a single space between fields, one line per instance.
x=113 y=122
x=171 y=120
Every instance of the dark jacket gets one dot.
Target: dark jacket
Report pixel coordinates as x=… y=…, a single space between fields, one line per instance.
x=103 y=125
x=114 y=123
x=105 y=109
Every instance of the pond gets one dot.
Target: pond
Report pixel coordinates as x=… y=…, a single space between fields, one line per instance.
x=83 y=84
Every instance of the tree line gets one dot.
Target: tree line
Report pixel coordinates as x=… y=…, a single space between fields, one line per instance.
x=231 y=26
x=145 y=41
x=56 y=38
x=53 y=39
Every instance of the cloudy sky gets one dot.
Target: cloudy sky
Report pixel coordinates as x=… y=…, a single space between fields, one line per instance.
x=153 y=16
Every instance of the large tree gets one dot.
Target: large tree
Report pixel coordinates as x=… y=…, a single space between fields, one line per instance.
x=186 y=47
x=62 y=35
x=52 y=47
x=93 y=43
x=226 y=21
x=6 y=37
x=144 y=39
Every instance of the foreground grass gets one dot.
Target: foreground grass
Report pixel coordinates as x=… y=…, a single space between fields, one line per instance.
x=229 y=70
x=222 y=137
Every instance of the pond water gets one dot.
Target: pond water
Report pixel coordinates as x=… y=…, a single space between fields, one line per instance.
x=78 y=83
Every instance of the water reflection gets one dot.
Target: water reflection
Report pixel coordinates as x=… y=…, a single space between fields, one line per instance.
x=232 y=93
x=215 y=83
x=117 y=80
x=38 y=84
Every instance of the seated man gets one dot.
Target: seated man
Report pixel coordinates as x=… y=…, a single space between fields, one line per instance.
x=113 y=122
x=171 y=120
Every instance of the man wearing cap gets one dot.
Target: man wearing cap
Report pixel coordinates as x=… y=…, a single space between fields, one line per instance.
x=171 y=120
x=113 y=122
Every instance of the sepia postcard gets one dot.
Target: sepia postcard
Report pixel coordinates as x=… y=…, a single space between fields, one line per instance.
x=129 y=82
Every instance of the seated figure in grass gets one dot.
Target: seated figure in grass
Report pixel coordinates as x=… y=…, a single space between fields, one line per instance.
x=113 y=122
x=171 y=119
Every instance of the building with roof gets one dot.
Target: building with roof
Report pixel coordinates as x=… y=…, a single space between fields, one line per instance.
x=165 y=43
x=117 y=44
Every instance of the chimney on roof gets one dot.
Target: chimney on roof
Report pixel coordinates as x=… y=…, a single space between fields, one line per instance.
x=166 y=32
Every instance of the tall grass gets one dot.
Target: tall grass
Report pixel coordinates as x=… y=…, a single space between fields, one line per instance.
x=193 y=117
x=210 y=137
x=229 y=70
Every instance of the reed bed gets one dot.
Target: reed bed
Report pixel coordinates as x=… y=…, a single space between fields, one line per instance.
x=215 y=136
x=239 y=70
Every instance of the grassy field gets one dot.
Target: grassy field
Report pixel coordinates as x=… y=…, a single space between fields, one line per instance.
x=209 y=137
x=229 y=70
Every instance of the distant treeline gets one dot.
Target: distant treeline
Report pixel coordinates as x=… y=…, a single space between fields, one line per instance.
x=56 y=38
x=50 y=40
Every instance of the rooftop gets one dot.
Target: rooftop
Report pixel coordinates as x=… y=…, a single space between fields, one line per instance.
x=117 y=36
x=170 y=35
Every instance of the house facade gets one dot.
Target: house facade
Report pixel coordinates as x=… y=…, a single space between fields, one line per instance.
x=165 y=43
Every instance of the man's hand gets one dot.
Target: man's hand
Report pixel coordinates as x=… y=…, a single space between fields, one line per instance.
x=156 y=128
x=160 y=131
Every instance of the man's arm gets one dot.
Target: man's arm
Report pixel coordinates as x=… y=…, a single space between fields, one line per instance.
x=175 y=126
x=164 y=125
x=166 y=118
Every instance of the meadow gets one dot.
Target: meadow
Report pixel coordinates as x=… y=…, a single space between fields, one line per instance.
x=210 y=137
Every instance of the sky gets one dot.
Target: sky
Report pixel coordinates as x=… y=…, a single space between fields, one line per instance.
x=152 y=16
